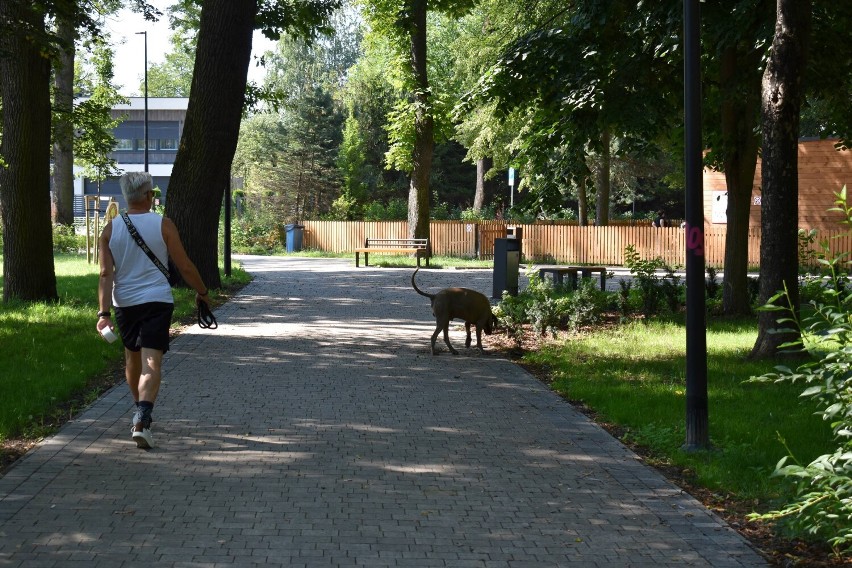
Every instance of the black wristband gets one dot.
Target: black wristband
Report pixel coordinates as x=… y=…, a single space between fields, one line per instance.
x=105 y=314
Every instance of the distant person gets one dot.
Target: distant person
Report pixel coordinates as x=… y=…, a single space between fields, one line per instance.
x=661 y=220
x=140 y=292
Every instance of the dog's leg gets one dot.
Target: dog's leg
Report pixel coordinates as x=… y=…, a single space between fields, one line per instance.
x=434 y=337
x=447 y=338
x=479 y=338
x=467 y=329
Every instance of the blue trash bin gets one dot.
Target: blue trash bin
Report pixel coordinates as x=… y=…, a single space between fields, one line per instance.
x=294 y=235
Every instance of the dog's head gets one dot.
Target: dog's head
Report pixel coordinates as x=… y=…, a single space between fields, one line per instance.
x=490 y=324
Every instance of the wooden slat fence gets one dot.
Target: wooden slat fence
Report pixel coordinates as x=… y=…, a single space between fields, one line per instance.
x=551 y=243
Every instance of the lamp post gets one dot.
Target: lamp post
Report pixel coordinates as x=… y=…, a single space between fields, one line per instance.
x=697 y=434
x=145 y=34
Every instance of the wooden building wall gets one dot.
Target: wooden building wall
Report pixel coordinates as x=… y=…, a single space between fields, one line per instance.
x=823 y=171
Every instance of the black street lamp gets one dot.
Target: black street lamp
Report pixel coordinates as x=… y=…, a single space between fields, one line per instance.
x=146 y=97
x=697 y=433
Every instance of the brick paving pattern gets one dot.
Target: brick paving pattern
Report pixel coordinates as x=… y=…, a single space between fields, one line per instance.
x=313 y=428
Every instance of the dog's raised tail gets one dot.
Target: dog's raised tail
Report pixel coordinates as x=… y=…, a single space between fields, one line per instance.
x=418 y=290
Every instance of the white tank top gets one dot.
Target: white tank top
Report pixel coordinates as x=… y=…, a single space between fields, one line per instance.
x=137 y=279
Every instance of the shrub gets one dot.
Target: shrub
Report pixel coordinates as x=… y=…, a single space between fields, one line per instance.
x=395 y=210
x=258 y=233
x=822 y=508
x=65 y=240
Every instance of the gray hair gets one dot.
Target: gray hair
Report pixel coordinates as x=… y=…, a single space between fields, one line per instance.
x=134 y=186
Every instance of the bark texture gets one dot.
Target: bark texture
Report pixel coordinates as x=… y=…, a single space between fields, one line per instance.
x=63 y=129
x=202 y=166
x=781 y=102
x=603 y=181
x=482 y=167
x=424 y=137
x=741 y=143
x=28 y=267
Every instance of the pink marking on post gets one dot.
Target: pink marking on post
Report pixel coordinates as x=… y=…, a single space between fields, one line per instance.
x=695 y=240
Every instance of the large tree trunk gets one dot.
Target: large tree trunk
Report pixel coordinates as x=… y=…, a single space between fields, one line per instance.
x=782 y=96
x=63 y=130
x=25 y=181
x=582 y=205
x=202 y=166
x=741 y=142
x=418 y=193
x=603 y=181
x=482 y=167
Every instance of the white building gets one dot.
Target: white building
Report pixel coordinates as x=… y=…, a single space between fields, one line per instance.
x=166 y=118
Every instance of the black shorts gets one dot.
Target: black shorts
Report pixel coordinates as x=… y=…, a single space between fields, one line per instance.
x=145 y=325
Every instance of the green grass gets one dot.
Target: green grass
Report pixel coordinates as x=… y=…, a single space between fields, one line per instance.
x=634 y=376
x=51 y=352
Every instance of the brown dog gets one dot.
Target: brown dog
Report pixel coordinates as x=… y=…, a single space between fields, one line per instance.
x=458 y=303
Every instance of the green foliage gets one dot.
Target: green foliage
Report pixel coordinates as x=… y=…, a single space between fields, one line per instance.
x=807 y=256
x=822 y=508
x=548 y=308
x=65 y=240
x=258 y=231
x=93 y=122
x=395 y=210
x=653 y=289
x=486 y=213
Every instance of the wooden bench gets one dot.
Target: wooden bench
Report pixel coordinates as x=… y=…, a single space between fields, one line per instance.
x=558 y=273
x=419 y=247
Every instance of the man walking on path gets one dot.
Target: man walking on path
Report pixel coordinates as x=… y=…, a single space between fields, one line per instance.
x=139 y=289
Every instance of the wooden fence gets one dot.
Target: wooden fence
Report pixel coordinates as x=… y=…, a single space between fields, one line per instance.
x=551 y=243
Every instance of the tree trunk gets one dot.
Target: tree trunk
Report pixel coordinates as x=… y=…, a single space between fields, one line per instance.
x=741 y=142
x=63 y=130
x=202 y=166
x=418 y=193
x=482 y=167
x=603 y=181
x=781 y=102
x=582 y=205
x=24 y=184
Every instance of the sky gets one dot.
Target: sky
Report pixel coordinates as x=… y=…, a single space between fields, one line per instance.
x=130 y=53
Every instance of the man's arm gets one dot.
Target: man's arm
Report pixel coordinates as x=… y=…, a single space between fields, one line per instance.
x=107 y=272
x=181 y=260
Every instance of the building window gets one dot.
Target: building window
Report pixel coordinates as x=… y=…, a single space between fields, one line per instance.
x=168 y=144
x=152 y=144
x=123 y=144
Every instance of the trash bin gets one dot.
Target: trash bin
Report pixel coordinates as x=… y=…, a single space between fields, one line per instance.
x=507 y=260
x=294 y=237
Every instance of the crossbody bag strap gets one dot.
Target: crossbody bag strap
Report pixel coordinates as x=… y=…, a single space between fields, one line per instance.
x=141 y=242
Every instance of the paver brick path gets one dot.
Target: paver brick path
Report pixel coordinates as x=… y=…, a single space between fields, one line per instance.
x=313 y=428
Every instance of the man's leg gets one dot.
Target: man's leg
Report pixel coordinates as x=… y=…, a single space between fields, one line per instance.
x=132 y=370
x=148 y=388
x=149 y=379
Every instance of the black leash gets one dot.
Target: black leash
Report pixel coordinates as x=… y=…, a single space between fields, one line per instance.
x=206 y=319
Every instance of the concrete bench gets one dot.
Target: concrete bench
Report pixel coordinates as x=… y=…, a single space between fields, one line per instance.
x=418 y=247
x=558 y=274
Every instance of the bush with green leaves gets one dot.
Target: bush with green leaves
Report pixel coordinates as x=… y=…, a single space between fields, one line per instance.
x=65 y=240
x=586 y=305
x=549 y=308
x=654 y=290
x=256 y=232
x=822 y=508
x=396 y=209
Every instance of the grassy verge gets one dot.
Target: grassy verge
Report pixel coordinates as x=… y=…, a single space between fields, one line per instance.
x=633 y=377
x=52 y=353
